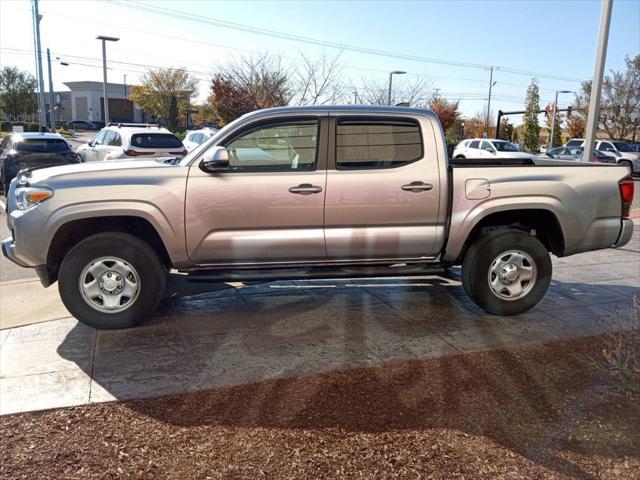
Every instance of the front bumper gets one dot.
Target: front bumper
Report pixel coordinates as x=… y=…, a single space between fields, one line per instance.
x=8 y=250
x=625 y=233
x=46 y=275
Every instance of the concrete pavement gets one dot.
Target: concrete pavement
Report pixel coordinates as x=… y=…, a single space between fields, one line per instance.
x=286 y=329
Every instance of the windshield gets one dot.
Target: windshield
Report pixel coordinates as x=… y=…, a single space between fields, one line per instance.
x=155 y=140
x=505 y=147
x=623 y=147
x=42 y=145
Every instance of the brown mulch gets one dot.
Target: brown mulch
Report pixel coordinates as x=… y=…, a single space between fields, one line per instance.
x=538 y=412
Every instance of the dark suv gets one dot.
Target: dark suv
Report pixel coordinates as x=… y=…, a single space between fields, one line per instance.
x=29 y=150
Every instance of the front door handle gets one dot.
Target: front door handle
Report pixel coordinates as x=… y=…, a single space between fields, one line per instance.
x=417 y=187
x=305 y=189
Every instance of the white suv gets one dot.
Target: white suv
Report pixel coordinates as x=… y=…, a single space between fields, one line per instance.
x=131 y=140
x=194 y=138
x=621 y=151
x=488 y=148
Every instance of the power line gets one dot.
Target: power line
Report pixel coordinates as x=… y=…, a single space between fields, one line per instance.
x=130 y=4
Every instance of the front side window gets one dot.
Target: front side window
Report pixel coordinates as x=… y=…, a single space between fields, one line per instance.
x=99 y=140
x=114 y=140
x=505 y=147
x=368 y=144
x=281 y=147
x=486 y=146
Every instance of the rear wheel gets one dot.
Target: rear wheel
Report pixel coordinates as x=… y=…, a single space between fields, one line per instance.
x=111 y=281
x=506 y=272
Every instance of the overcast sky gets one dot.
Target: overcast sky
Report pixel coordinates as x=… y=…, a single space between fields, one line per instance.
x=553 y=40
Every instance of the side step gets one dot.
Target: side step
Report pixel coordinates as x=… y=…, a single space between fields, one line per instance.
x=308 y=273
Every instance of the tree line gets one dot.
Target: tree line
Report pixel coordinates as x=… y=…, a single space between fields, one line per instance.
x=263 y=81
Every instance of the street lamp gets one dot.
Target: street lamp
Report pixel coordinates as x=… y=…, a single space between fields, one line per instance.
x=553 y=121
x=486 y=123
x=104 y=73
x=391 y=74
x=52 y=108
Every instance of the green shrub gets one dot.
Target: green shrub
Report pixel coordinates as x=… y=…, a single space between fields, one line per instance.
x=180 y=135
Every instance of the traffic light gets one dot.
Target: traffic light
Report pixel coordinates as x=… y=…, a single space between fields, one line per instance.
x=569 y=110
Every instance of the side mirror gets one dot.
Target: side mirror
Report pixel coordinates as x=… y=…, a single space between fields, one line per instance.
x=215 y=160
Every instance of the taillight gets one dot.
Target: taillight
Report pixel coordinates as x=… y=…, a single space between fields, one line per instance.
x=136 y=153
x=626 y=195
x=183 y=153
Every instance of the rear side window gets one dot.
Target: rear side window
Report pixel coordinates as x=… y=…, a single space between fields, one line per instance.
x=42 y=145
x=368 y=144
x=474 y=144
x=155 y=140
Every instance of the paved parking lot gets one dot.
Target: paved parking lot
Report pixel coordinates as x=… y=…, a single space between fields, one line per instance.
x=288 y=329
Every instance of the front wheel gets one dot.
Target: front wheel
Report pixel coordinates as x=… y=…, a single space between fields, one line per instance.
x=111 y=281
x=506 y=272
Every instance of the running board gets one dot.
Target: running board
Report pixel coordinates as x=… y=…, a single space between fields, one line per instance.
x=308 y=273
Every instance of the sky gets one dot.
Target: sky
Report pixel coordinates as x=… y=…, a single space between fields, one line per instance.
x=449 y=44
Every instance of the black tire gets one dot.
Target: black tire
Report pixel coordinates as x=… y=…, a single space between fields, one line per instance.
x=479 y=259
x=152 y=279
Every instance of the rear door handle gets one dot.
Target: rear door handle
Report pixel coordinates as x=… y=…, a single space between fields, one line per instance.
x=417 y=187
x=305 y=189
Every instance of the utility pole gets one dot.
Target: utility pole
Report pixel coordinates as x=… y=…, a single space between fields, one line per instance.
x=52 y=106
x=598 y=74
x=104 y=73
x=126 y=110
x=42 y=119
x=486 y=123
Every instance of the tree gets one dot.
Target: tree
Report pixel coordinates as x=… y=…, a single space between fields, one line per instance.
x=576 y=125
x=247 y=84
x=532 y=127
x=473 y=127
x=446 y=111
x=17 y=92
x=620 y=101
x=205 y=114
x=506 y=129
x=376 y=91
x=165 y=93
x=319 y=81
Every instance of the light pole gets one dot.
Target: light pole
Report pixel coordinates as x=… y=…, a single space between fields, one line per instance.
x=105 y=39
x=596 y=87
x=52 y=109
x=553 y=121
x=36 y=40
x=486 y=123
x=126 y=114
x=391 y=74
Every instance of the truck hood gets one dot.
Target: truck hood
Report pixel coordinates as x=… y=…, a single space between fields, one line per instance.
x=42 y=175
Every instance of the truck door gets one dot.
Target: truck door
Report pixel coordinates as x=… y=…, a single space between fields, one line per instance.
x=383 y=188
x=268 y=207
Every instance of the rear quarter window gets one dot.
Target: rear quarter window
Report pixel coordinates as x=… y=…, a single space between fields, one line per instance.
x=369 y=144
x=155 y=140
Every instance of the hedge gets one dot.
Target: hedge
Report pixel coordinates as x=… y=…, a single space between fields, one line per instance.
x=7 y=126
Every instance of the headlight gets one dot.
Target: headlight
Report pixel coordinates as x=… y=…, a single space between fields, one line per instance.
x=27 y=197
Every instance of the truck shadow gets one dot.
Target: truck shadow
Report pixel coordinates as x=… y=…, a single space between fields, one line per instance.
x=368 y=356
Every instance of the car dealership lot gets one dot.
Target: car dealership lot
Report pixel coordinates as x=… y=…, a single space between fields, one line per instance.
x=261 y=331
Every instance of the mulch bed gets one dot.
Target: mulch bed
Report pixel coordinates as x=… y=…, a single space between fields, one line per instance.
x=539 y=412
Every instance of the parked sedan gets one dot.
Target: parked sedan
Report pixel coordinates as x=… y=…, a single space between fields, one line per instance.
x=32 y=150
x=576 y=153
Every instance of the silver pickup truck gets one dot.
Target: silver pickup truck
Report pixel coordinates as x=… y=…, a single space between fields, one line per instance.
x=310 y=192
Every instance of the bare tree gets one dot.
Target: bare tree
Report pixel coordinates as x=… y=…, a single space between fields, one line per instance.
x=376 y=91
x=318 y=81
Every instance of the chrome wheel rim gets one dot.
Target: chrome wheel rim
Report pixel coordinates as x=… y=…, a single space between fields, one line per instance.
x=512 y=275
x=109 y=284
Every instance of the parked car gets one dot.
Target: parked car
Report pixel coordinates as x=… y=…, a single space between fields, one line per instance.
x=577 y=153
x=130 y=140
x=622 y=151
x=635 y=146
x=98 y=123
x=81 y=125
x=194 y=138
x=488 y=148
x=32 y=150
x=574 y=142
x=268 y=199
